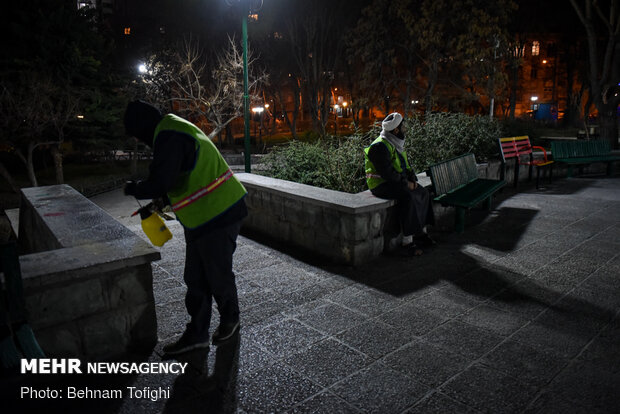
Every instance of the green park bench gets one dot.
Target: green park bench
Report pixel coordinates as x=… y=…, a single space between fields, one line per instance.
x=521 y=150
x=455 y=183
x=580 y=153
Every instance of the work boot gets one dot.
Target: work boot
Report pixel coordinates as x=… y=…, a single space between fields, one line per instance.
x=225 y=331
x=185 y=344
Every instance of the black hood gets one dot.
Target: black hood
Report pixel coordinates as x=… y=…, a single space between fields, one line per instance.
x=141 y=119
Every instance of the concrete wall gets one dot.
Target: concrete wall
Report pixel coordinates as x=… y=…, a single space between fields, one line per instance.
x=345 y=228
x=87 y=279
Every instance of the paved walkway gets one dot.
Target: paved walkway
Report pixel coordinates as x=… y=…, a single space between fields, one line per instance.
x=518 y=314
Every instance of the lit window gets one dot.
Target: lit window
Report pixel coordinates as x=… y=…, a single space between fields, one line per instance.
x=535 y=48
x=127 y=30
x=84 y=4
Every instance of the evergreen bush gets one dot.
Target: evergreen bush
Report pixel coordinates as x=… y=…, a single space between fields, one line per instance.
x=441 y=136
x=338 y=163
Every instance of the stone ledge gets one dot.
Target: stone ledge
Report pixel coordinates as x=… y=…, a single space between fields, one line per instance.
x=62 y=265
x=87 y=278
x=349 y=203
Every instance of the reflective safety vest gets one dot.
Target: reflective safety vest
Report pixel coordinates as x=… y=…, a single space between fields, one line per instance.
x=373 y=179
x=208 y=189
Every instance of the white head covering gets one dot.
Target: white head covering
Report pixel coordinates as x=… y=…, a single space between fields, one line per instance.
x=390 y=123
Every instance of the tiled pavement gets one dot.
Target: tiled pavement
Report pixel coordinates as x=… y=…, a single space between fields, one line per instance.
x=518 y=314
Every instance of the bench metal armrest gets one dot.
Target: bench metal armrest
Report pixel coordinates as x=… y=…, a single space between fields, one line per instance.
x=543 y=150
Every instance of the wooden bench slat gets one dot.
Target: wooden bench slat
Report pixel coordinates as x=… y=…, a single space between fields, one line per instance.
x=456 y=184
x=517 y=147
x=583 y=152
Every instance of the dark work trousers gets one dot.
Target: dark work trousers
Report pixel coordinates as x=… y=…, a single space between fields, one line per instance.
x=208 y=273
x=413 y=206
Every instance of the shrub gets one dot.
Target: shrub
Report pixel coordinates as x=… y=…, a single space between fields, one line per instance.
x=333 y=163
x=445 y=135
x=338 y=163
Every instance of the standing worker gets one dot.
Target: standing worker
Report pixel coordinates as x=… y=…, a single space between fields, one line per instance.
x=389 y=176
x=208 y=200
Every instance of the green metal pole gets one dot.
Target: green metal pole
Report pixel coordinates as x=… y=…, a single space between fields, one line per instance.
x=246 y=96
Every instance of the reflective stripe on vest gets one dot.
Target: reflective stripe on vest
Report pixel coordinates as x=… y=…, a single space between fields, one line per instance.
x=203 y=191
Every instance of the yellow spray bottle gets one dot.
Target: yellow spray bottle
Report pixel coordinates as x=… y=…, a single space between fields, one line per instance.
x=153 y=226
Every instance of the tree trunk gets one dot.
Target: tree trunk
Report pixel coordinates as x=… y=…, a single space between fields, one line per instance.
x=29 y=163
x=57 y=156
x=432 y=81
x=608 y=124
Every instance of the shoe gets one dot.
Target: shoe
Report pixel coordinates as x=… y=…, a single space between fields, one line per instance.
x=424 y=240
x=225 y=331
x=184 y=344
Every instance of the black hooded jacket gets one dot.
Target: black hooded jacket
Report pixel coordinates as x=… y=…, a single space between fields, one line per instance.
x=174 y=153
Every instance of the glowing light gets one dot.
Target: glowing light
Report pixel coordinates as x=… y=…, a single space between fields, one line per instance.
x=258 y=109
x=344 y=104
x=80 y=116
x=544 y=61
x=142 y=68
x=534 y=98
x=266 y=105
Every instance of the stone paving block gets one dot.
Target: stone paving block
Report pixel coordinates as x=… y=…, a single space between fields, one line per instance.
x=588 y=385
x=364 y=300
x=412 y=320
x=494 y=319
x=552 y=338
x=271 y=310
x=374 y=338
x=603 y=353
x=588 y=307
x=464 y=339
x=438 y=403
x=274 y=388
x=446 y=303
x=489 y=391
x=283 y=279
x=413 y=361
x=379 y=389
x=531 y=365
x=171 y=319
x=285 y=337
x=331 y=318
x=487 y=282
x=552 y=403
x=526 y=299
x=325 y=402
x=250 y=294
x=327 y=362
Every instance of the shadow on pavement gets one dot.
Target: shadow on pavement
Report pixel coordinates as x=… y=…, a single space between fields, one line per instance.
x=198 y=392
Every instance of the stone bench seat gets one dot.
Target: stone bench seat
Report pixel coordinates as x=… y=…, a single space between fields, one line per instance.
x=87 y=278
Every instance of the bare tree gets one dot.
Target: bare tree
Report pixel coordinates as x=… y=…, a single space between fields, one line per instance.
x=602 y=26
x=203 y=92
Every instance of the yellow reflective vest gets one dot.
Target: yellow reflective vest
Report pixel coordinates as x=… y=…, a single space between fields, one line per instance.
x=210 y=188
x=373 y=179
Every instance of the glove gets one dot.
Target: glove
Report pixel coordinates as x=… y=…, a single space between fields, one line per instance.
x=130 y=188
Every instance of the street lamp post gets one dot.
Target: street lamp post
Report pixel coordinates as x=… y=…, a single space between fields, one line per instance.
x=245 y=8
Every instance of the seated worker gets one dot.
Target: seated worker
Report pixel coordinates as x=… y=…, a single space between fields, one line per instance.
x=389 y=176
